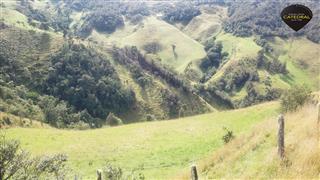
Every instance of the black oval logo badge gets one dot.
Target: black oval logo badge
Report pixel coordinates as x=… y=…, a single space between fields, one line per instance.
x=296 y=16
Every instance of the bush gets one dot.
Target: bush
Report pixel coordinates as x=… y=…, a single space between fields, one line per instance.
x=152 y=47
x=17 y=164
x=150 y=117
x=7 y=120
x=79 y=125
x=111 y=172
x=228 y=136
x=113 y=120
x=294 y=98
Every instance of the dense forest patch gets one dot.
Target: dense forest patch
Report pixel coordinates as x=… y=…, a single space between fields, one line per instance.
x=87 y=81
x=179 y=12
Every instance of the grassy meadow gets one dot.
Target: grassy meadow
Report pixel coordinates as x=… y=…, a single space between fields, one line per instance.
x=157 y=149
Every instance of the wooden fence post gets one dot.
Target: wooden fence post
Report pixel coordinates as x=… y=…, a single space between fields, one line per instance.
x=318 y=123
x=99 y=174
x=194 y=173
x=281 y=136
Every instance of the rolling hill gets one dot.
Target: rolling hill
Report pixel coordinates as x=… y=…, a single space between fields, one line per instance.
x=179 y=48
x=157 y=149
x=155 y=30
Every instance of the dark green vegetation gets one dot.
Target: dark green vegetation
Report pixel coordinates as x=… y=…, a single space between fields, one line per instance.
x=179 y=12
x=215 y=57
x=106 y=17
x=101 y=21
x=228 y=136
x=88 y=82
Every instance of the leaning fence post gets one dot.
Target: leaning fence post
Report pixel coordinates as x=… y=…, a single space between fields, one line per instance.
x=281 y=136
x=194 y=174
x=99 y=174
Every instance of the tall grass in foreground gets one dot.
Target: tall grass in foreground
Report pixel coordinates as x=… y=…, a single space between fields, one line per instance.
x=254 y=155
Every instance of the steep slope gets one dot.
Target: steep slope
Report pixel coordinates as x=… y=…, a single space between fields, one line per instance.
x=157 y=149
x=302 y=57
x=153 y=30
x=208 y=24
x=257 y=157
x=300 y=67
x=237 y=48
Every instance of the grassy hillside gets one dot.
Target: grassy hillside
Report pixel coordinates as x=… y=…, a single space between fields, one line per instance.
x=207 y=24
x=302 y=57
x=237 y=48
x=301 y=66
x=188 y=54
x=257 y=157
x=34 y=47
x=155 y=30
x=157 y=149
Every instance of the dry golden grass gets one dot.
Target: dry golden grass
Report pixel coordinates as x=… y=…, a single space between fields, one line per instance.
x=254 y=155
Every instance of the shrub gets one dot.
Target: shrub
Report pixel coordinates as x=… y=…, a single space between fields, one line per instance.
x=113 y=120
x=294 y=98
x=79 y=125
x=17 y=164
x=228 y=135
x=112 y=172
x=150 y=117
x=152 y=47
x=7 y=120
